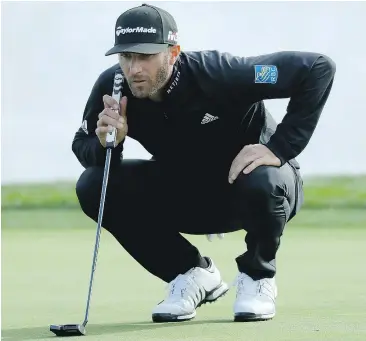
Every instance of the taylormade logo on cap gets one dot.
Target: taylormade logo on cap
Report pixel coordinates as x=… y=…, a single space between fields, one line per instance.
x=125 y=30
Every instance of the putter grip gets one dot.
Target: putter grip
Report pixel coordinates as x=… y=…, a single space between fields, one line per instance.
x=116 y=94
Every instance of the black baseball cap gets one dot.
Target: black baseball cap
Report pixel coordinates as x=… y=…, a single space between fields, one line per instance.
x=144 y=29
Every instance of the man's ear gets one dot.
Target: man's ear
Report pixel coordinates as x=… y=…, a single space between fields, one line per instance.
x=174 y=53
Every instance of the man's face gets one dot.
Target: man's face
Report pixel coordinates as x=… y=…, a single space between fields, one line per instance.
x=145 y=74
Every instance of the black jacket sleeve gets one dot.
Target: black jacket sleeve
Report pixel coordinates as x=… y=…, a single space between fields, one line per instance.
x=305 y=78
x=86 y=145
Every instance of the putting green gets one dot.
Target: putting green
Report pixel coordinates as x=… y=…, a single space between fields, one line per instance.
x=46 y=263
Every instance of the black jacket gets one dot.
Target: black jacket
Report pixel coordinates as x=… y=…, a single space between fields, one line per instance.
x=213 y=106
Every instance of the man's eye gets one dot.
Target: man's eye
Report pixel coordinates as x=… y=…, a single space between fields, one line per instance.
x=140 y=56
x=147 y=56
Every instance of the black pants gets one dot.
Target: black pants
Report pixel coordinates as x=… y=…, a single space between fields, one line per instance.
x=146 y=210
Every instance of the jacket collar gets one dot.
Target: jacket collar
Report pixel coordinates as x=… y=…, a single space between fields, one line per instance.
x=181 y=87
x=174 y=88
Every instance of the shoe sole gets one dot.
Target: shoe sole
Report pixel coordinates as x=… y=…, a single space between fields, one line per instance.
x=215 y=294
x=164 y=317
x=251 y=317
x=211 y=297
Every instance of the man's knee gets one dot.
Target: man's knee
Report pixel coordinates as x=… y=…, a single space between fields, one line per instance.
x=261 y=184
x=88 y=190
x=128 y=188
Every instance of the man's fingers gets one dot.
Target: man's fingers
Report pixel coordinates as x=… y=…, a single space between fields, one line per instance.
x=110 y=121
x=247 y=150
x=110 y=102
x=246 y=154
x=113 y=108
x=109 y=112
x=239 y=164
x=256 y=163
x=234 y=170
x=102 y=130
x=105 y=121
x=123 y=107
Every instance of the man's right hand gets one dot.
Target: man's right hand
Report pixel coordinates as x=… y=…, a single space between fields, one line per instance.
x=113 y=115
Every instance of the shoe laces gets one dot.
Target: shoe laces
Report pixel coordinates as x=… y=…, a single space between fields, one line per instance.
x=185 y=287
x=247 y=286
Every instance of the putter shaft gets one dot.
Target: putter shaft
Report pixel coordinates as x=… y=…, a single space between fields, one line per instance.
x=99 y=228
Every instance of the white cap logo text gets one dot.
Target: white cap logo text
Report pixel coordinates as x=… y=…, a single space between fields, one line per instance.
x=127 y=30
x=173 y=36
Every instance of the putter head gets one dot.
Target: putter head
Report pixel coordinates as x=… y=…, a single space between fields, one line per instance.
x=68 y=329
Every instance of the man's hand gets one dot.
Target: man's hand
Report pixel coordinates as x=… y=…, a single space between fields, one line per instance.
x=113 y=115
x=249 y=158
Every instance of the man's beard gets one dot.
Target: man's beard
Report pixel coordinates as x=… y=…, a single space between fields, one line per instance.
x=161 y=78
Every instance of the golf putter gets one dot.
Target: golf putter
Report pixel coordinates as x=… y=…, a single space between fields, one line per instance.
x=80 y=329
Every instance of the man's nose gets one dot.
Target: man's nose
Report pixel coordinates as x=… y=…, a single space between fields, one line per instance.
x=135 y=67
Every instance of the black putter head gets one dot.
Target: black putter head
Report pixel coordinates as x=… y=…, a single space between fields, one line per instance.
x=68 y=329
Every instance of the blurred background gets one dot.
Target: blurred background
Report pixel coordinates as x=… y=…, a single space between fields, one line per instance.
x=52 y=53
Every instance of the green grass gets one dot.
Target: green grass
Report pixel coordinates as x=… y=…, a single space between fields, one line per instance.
x=46 y=260
x=47 y=195
x=335 y=192
x=320 y=192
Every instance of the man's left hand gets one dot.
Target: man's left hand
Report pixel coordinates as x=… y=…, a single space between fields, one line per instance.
x=249 y=158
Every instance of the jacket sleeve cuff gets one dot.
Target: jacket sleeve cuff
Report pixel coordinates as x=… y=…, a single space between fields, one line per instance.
x=279 y=148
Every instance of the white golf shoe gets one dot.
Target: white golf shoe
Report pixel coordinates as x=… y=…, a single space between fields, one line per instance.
x=189 y=291
x=255 y=300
